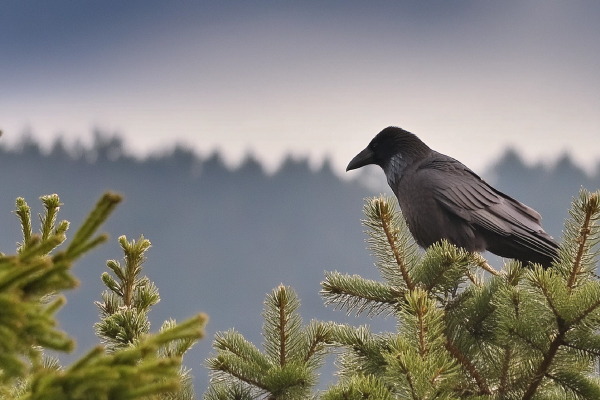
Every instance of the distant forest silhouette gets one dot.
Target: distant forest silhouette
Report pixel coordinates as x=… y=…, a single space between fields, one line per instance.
x=223 y=237
x=547 y=186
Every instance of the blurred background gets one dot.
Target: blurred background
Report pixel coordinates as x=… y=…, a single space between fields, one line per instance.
x=228 y=125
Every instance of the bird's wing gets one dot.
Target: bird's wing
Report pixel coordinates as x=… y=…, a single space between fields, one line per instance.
x=462 y=192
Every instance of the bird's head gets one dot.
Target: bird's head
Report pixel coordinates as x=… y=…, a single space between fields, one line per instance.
x=390 y=144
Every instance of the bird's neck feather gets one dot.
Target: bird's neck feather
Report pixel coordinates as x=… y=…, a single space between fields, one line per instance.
x=394 y=169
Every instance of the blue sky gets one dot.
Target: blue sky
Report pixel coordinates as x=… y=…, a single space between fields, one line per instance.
x=315 y=78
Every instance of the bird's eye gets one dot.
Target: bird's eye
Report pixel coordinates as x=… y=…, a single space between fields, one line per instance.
x=374 y=145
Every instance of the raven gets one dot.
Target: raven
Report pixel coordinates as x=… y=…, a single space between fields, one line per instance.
x=441 y=198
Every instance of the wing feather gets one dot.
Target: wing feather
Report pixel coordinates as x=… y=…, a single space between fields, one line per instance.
x=463 y=193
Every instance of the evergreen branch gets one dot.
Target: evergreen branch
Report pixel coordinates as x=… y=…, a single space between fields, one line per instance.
x=403 y=360
x=585 y=313
x=27 y=319
x=62 y=227
x=390 y=241
x=468 y=365
x=177 y=347
x=52 y=205
x=192 y=328
x=425 y=367
x=145 y=294
x=359 y=387
x=436 y=376
x=41 y=248
x=23 y=211
x=126 y=304
x=421 y=328
x=282 y=323
x=365 y=353
x=236 y=369
x=593 y=352
x=87 y=359
x=124 y=321
x=278 y=381
x=581 y=235
x=127 y=374
x=111 y=283
x=312 y=349
x=435 y=279
x=123 y=328
x=293 y=353
x=154 y=389
x=88 y=246
x=231 y=391
x=354 y=293
x=468 y=314
x=591 y=206
x=233 y=342
x=28 y=283
x=410 y=384
x=421 y=318
x=503 y=387
x=282 y=326
x=514 y=272
x=20 y=274
x=103 y=209
x=526 y=339
x=134 y=258
x=385 y=214
x=542 y=279
x=318 y=334
x=292 y=381
x=544 y=366
x=579 y=385
x=443 y=267
x=115 y=267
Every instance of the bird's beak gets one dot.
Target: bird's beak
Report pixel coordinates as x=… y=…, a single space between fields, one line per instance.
x=363 y=158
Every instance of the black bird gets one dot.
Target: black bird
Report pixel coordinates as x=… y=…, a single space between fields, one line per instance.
x=441 y=198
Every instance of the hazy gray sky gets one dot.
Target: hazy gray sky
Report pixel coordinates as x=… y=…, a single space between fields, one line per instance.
x=310 y=77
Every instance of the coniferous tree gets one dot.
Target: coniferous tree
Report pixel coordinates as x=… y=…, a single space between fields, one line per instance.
x=465 y=330
x=29 y=285
x=287 y=367
x=124 y=311
x=522 y=333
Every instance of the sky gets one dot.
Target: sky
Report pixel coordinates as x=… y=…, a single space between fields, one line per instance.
x=312 y=78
